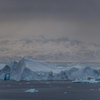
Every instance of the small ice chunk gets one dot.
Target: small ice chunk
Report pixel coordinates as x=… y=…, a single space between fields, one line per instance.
x=27 y=83
x=69 y=87
x=47 y=82
x=65 y=92
x=31 y=90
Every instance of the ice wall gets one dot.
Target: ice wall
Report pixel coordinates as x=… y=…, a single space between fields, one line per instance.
x=27 y=69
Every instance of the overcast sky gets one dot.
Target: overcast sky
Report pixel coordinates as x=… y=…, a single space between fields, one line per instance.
x=74 y=19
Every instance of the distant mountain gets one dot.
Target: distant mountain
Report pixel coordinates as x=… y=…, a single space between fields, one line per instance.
x=62 y=49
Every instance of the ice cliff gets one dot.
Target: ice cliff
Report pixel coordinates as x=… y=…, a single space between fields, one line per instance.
x=27 y=69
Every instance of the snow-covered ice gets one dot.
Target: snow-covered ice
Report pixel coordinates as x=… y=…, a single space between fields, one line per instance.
x=27 y=69
x=2 y=66
x=86 y=81
x=31 y=90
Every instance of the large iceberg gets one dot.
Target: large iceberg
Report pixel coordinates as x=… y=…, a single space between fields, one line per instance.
x=27 y=69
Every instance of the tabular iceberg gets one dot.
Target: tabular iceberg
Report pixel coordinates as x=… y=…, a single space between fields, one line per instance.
x=27 y=69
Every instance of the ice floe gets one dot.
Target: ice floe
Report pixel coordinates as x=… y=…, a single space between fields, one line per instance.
x=86 y=81
x=31 y=90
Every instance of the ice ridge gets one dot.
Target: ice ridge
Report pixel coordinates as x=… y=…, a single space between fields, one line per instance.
x=27 y=69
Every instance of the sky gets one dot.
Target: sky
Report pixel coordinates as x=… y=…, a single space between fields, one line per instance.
x=74 y=19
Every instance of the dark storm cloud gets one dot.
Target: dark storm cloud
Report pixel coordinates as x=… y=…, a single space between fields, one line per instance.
x=71 y=8
x=76 y=19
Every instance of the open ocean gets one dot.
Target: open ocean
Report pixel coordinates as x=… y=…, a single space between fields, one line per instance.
x=51 y=90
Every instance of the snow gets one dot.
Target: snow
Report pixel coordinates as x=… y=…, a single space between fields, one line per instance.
x=40 y=66
x=31 y=90
x=86 y=81
x=27 y=69
x=2 y=66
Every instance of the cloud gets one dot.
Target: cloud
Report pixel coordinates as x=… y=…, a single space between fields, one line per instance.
x=76 y=19
x=77 y=8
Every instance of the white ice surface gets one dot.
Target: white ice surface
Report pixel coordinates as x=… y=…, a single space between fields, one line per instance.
x=86 y=81
x=31 y=90
x=35 y=65
x=27 y=69
x=2 y=66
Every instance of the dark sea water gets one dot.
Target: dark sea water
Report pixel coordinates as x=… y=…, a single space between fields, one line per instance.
x=49 y=90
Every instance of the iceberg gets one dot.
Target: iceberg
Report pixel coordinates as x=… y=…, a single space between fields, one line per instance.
x=86 y=81
x=27 y=69
x=2 y=66
x=7 y=76
x=31 y=90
